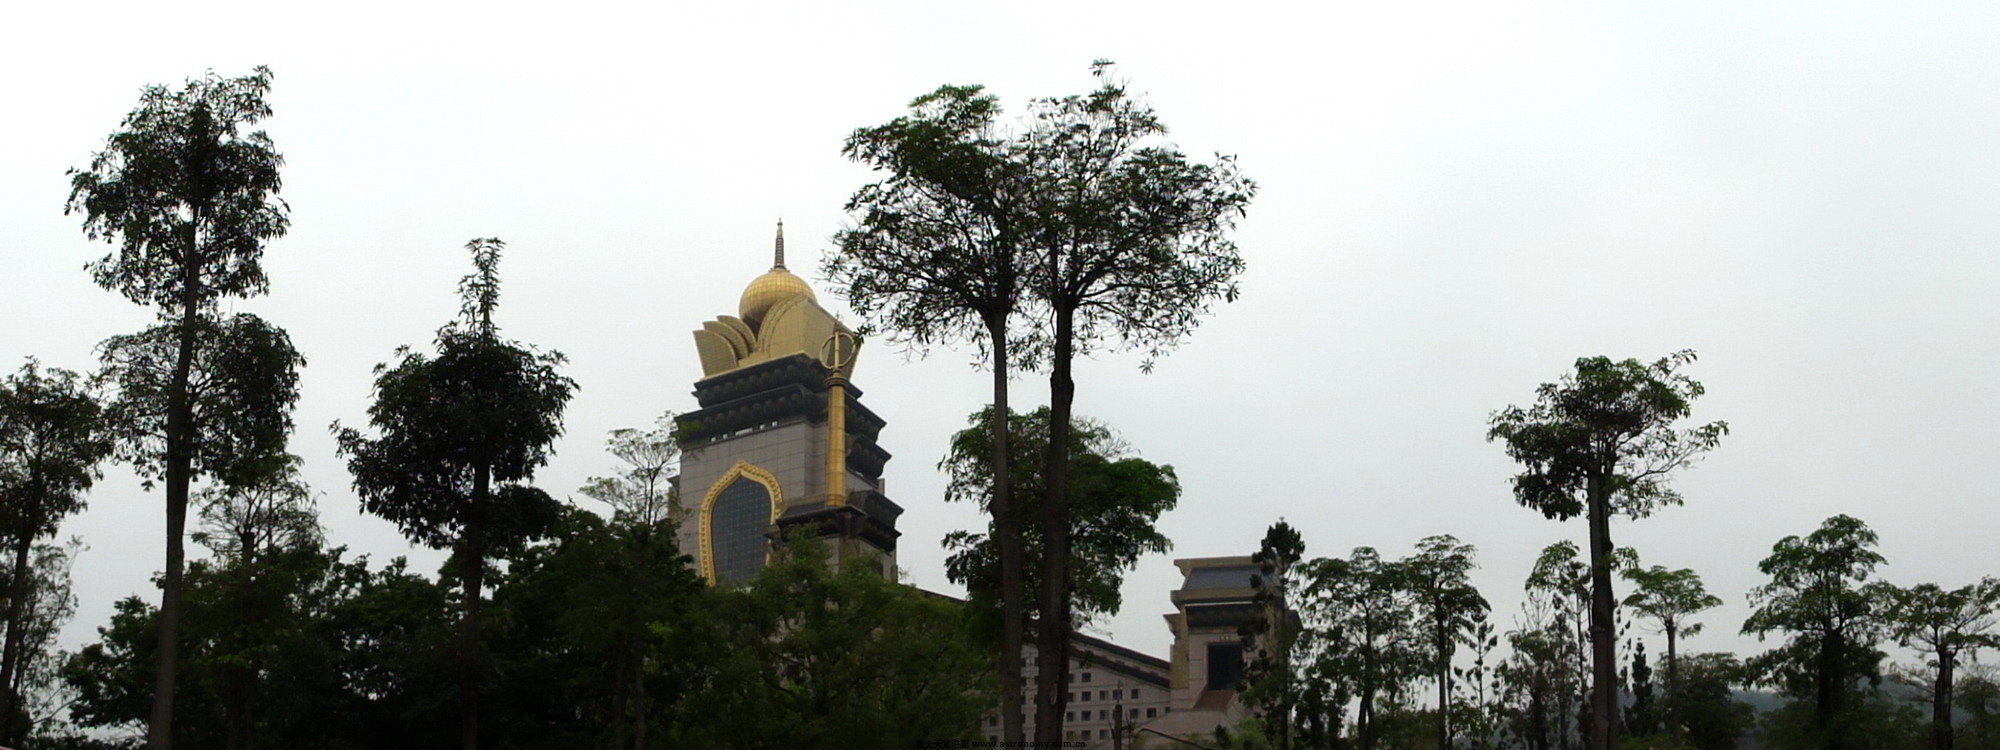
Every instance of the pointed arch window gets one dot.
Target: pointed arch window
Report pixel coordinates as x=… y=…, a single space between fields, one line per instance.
x=738 y=509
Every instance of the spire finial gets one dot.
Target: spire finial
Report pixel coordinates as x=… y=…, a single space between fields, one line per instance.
x=779 y=261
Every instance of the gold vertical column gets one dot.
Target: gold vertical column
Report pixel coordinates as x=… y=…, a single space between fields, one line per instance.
x=838 y=354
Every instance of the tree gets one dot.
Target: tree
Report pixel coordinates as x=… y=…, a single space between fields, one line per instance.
x=1978 y=694
x=1944 y=625
x=1669 y=597
x=46 y=605
x=641 y=494
x=818 y=657
x=191 y=200
x=1130 y=248
x=639 y=569
x=53 y=435
x=594 y=622
x=1601 y=442
x=1363 y=620
x=935 y=258
x=1271 y=676
x=1449 y=608
x=1819 y=595
x=345 y=657
x=460 y=434
x=1704 y=707
x=265 y=534
x=1118 y=497
x=1642 y=717
x=272 y=511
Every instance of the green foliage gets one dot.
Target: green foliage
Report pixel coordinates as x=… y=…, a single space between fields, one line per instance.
x=1669 y=597
x=1449 y=610
x=303 y=650
x=1608 y=425
x=42 y=603
x=53 y=436
x=459 y=436
x=272 y=510
x=1703 y=708
x=601 y=641
x=1820 y=597
x=1541 y=683
x=641 y=494
x=242 y=382
x=1131 y=238
x=1116 y=497
x=1978 y=695
x=1277 y=654
x=484 y=410
x=1871 y=719
x=936 y=253
x=935 y=256
x=190 y=199
x=1643 y=716
x=813 y=657
x=1362 y=616
x=1943 y=625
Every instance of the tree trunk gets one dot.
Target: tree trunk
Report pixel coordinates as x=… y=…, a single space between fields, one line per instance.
x=1941 y=702
x=1364 y=719
x=1831 y=685
x=1673 y=681
x=1052 y=649
x=472 y=555
x=10 y=664
x=1007 y=537
x=639 y=705
x=1444 y=687
x=1603 y=633
x=619 y=703
x=179 y=474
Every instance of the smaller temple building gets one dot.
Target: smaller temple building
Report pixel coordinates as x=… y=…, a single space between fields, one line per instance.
x=1118 y=695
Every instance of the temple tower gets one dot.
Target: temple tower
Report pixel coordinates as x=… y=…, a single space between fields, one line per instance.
x=781 y=440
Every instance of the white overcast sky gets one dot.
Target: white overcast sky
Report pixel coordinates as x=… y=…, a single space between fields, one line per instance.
x=1458 y=199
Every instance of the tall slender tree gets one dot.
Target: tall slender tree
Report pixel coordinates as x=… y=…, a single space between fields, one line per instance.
x=933 y=258
x=1602 y=442
x=190 y=199
x=53 y=436
x=1276 y=651
x=459 y=436
x=1670 y=598
x=1945 y=625
x=642 y=566
x=1131 y=247
x=1449 y=608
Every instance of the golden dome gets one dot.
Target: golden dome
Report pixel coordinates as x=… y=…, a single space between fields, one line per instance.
x=775 y=286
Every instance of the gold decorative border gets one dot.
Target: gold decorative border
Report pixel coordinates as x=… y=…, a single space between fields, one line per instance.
x=704 y=528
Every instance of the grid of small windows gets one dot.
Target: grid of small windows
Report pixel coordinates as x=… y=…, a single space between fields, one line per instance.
x=736 y=530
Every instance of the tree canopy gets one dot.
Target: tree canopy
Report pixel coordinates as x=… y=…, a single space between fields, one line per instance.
x=1118 y=498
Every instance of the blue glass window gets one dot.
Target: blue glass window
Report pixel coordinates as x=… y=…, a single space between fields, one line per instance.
x=736 y=530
